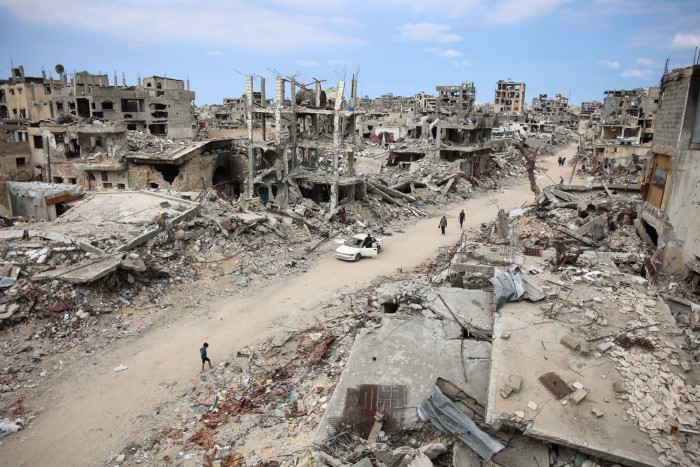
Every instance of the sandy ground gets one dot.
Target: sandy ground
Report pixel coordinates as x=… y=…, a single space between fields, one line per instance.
x=93 y=410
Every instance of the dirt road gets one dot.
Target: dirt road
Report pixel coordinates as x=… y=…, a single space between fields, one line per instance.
x=97 y=409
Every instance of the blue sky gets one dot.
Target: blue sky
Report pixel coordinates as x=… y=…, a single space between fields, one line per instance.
x=577 y=48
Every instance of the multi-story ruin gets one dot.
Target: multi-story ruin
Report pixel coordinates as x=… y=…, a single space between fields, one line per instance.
x=510 y=97
x=456 y=100
x=313 y=150
x=591 y=110
x=158 y=105
x=669 y=213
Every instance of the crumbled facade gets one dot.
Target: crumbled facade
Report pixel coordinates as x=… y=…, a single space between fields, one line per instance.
x=161 y=106
x=510 y=97
x=670 y=188
x=455 y=100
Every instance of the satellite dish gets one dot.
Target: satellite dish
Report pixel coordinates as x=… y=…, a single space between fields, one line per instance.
x=59 y=68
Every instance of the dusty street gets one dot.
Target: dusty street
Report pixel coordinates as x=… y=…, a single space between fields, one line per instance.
x=96 y=409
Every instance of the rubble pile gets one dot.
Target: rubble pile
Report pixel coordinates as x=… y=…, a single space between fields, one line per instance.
x=281 y=385
x=147 y=143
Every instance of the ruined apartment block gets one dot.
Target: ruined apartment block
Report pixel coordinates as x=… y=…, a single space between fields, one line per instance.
x=313 y=150
x=455 y=100
x=510 y=97
x=669 y=213
x=556 y=111
x=460 y=136
x=591 y=110
x=160 y=106
x=626 y=129
x=102 y=156
x=629 y=115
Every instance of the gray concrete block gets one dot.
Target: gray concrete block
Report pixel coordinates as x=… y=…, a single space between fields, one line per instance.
x=569 y=341
x=578 y=396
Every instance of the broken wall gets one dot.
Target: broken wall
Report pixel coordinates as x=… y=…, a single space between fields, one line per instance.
x=674 y=173
x=195 y=174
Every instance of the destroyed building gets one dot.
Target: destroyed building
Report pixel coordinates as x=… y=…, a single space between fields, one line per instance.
x=161 y=106
x=455 y=100
x=510 y=97
x=546 y=110
x=313 y=150
x=670 y=186
x=629 y=115
x=108 y=156
x=591 y=110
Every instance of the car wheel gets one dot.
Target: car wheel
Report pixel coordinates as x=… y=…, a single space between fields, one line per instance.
x=358 y=257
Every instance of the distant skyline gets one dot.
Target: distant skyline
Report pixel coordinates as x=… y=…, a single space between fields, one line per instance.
x=574 y=47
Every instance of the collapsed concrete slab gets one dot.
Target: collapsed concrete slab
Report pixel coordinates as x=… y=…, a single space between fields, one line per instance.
x=392 y=368
x=613 y=436
x=117 y=221
x=472 y=309
x=89 y=271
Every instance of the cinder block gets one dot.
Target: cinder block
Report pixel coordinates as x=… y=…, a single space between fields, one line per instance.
x=569 y=341
x=578 y=396
x=515 y=383
x=619 y=387
x=505 y=391
x=605 y=346
x=584 y=347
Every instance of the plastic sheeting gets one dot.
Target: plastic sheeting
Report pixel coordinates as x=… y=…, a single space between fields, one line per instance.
x=508 y=286
x=444 y=414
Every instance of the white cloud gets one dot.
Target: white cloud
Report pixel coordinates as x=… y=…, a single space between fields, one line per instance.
x=645 y=62
x=450 y=53
x=462 y=64
x=216 y=21
x=215 y=52
x=685 y=40
x=516 y=11
x=428 y=32
x=610 y=63
x=306 y=63
x=639 y=73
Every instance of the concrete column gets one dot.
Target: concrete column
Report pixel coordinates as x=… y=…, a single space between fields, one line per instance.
x=336 y=124
x=251 y=170
x=334 y=196
x=52 y=99
x=293 y=126
x=116 y=83
x=279 y=102
x=263 y=97
x=249 y=106
x=123 y=79
x=251 y=150
x=353 y=92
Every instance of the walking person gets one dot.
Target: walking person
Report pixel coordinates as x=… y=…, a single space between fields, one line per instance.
x=443 y=224
x=461 y=219
x=203 y=354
